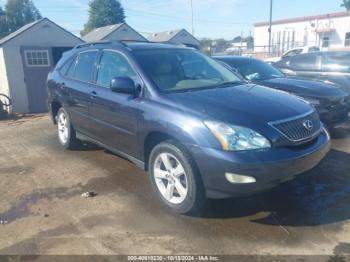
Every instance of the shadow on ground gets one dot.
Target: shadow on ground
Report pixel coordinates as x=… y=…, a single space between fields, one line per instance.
x=320 y=196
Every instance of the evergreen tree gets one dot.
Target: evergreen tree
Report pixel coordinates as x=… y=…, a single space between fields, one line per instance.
x=103 y=13
x=19 y=13
x=3 y=24
x=346 y=4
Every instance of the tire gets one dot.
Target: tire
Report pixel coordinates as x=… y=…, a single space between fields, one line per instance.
x=165 y=179
x=66 y=133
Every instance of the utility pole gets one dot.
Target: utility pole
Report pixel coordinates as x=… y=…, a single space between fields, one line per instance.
x=270 y=26
x=192 y=24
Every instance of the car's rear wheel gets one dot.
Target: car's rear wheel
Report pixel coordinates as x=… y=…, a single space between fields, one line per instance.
x=66 y=132
x=175 y=178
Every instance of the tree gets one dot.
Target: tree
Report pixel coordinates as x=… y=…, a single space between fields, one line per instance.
x=103 y=13
x=3 y=24
x=19 y=13
x=237 y=39
x=346 y=4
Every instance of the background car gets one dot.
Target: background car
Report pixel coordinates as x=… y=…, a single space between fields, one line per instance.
x=293 y=52
x=331 y=67
x=330 y=101
x=301 y=50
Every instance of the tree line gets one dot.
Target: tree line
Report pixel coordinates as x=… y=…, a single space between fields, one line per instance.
x=18 y=13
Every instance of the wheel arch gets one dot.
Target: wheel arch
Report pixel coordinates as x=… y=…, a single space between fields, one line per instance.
x=151 y=140
x=55 y=106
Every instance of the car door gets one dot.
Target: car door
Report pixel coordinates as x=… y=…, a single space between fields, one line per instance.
x=336 y=69
x=303 y=65
x=114 y=115
x=77 y=87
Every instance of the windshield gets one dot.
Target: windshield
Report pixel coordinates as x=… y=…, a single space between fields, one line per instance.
x=255 y=70
x=183 y=69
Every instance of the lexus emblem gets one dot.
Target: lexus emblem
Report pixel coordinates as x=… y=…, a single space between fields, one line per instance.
x=308 y=124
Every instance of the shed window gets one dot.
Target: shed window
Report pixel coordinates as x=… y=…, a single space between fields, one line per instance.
x=37 y=58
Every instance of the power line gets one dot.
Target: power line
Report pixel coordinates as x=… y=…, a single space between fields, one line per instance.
x=147 y=13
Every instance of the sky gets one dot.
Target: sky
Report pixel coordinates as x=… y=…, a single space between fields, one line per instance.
x=212 y=18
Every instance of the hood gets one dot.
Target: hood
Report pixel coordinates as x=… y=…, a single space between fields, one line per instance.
x=303 y=87
x=243 y=105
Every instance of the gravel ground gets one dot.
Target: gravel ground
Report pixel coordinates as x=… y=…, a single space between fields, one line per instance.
x=41 y=186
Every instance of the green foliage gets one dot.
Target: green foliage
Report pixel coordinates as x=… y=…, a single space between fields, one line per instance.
x=346 y=4
x=3 y=24
x=19 y=13
x=103 y=13
x=237 y=39
x=2 y=13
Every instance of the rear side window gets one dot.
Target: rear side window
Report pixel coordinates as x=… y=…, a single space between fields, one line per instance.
x=85 y=66
x=66 y=66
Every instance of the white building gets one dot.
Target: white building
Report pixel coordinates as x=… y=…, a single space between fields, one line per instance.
x=328 y=31
x=26 y=57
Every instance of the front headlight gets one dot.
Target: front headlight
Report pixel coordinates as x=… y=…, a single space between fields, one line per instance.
x=237 y=138
x=312 y=101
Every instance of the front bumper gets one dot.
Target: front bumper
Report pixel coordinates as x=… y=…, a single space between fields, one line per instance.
x=333 y=116
x=268 y=167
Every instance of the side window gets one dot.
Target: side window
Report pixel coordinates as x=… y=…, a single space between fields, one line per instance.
x=303 y=62
x=347 y=39
x=294 y=52
x=85 y=66
x=314 y=49
x=113 y=64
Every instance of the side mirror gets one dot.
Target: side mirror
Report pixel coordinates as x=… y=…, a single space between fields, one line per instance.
x=124 y=85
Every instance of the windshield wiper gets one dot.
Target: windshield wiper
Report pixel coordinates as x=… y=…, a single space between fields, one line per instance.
x=227 y=84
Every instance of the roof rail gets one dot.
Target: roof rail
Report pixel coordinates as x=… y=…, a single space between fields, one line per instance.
x=98 y=43
x=125 y=42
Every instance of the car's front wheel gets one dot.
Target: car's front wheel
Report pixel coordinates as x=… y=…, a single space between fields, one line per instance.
x=66 y=132
x=175 y=179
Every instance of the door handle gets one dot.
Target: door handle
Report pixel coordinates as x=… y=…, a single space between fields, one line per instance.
x=93 y=94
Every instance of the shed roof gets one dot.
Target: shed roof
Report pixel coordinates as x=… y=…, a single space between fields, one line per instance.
x=167 y=36
x=101 y=33
x=164 y=36
x=28 y=26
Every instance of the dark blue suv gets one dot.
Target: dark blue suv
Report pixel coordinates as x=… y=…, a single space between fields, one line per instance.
x=187 y=119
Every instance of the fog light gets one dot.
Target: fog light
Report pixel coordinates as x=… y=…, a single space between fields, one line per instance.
x=239 y=179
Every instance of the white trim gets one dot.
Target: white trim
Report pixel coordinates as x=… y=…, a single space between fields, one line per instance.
x=42 y=58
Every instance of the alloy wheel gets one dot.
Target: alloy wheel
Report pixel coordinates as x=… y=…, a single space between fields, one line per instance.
x=170 y=178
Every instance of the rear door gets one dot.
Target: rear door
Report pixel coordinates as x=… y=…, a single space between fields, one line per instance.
x=77 y=85
x=336 y=69
x=115 y=115
x=305 y=65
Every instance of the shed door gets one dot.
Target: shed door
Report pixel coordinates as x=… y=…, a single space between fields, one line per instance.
x=37 y=63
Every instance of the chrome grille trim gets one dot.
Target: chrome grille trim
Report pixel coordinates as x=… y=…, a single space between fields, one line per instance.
x=292 y=128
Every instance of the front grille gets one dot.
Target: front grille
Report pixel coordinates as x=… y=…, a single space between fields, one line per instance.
x=301 y=128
